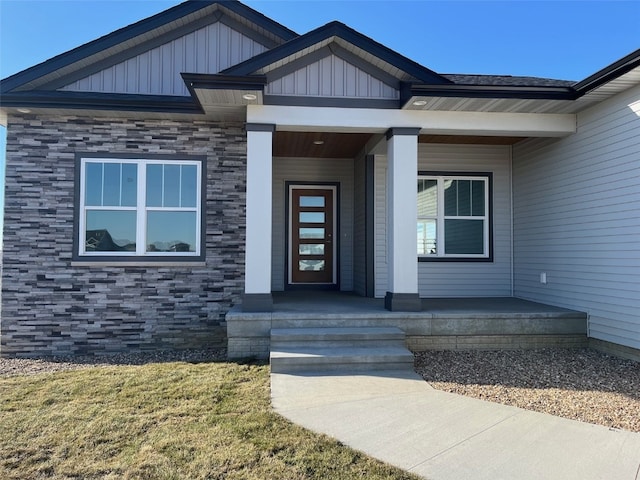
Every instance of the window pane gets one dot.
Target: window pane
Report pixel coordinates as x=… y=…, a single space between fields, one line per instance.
x=464 y=198
x=154 y=185
x=171 y=231
x=93 y=184
x=427 y=198
x=312 y=233
x=427 y=237
x=311 y=201
x=189 y=186
x=129 y=184
x=312 y=217
x=477 y=198
x=311 y=265
x=464 y=237
x=110 y=231
x=111 y=185
x=171 y=186
x=311 y=249
x=450 y=198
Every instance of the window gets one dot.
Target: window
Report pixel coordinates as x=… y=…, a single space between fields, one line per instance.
x=453 y=216
x=139 y=208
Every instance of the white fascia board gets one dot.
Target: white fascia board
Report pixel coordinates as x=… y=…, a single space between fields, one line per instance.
x=331 y=119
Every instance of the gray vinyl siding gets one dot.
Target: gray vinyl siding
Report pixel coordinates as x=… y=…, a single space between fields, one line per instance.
x=309 y=170
x=577 y=218
x=332 y=77
x=359 y=229
x=458 y=279
x=157 y=72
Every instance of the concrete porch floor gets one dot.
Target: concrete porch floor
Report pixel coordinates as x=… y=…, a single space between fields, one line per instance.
x=349 y=302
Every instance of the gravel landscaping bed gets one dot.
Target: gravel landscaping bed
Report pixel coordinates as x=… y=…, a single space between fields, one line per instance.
x=32 y=366
x=579 y=384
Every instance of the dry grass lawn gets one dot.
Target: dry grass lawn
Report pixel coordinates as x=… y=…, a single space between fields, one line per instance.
x=163 y=421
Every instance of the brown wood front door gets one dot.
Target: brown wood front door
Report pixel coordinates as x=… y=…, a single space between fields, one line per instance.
x=312 y=247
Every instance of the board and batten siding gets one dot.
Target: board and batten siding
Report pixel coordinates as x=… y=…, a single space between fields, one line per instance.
x=309 y=171
x=456 y=279
x=331 y=77
x=157 y=72
x=577 y=219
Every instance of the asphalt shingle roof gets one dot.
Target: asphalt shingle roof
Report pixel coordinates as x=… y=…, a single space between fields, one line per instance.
x=506 y=80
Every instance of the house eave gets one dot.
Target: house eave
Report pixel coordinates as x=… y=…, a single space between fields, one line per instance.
x=609 y=73
x=99 y=101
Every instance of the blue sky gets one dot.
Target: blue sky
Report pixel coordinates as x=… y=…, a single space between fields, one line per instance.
x=557 y=39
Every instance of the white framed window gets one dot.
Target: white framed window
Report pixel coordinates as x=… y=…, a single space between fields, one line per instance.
x=454 y=216
x=139 y=208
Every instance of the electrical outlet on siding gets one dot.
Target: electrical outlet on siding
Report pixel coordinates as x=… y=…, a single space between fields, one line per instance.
x=543 y=278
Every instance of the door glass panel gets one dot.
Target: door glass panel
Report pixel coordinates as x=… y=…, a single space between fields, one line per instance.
x=308 y=201
x=311 y=265
x=311 y=217
x=311 y=249
x=312 y=233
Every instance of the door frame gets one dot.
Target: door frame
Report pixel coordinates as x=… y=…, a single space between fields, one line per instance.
x=288 y=284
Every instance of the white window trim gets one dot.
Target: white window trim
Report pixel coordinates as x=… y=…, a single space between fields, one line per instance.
x=140 y=208
x=440 y=217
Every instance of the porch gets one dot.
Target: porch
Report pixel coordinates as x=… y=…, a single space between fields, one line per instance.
x=442 y=323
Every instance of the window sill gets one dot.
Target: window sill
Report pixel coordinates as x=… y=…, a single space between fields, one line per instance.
x=139 y=263
x=455 y=259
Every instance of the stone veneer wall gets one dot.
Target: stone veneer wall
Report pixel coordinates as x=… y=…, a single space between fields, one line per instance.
x=50 y=306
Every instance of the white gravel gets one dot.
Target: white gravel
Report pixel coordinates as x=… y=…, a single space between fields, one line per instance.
x=579 y=384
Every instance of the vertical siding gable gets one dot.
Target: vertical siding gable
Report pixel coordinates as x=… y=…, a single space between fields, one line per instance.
x=331 y=76
x=210 y=49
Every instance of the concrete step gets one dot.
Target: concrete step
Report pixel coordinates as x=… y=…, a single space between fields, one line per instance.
x=311 y=359
x=295 y=350
x=338 y=337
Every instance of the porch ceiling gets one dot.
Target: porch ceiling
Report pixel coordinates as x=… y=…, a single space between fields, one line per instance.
x=348 y=145
x=334 y=145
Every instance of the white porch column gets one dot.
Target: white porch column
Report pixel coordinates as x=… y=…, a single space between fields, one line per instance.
x=257 y=270
x=402 y=212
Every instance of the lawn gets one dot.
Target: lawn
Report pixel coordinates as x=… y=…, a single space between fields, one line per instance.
x=163 y=421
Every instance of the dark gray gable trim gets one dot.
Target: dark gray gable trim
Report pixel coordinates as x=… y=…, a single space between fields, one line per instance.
x=127 y=33
x=340 y=102
x=487 y=91
x=101 y=101
x=344 y=54
x=170 y=36
x=348 y=34
x=114 y=260
x=607 y=74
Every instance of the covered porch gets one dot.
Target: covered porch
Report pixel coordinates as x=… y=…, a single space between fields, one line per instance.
x=441 y=323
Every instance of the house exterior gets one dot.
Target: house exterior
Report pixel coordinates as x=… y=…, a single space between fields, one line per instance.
x=208 y=157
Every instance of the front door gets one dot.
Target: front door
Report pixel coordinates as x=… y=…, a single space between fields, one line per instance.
x=312 y=245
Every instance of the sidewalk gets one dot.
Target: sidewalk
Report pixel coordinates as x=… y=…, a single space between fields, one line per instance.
x=398 y=418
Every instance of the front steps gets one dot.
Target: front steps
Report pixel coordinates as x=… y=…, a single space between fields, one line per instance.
x=306 y=350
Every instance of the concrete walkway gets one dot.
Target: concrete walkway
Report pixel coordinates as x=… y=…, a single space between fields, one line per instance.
x=398 y=418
